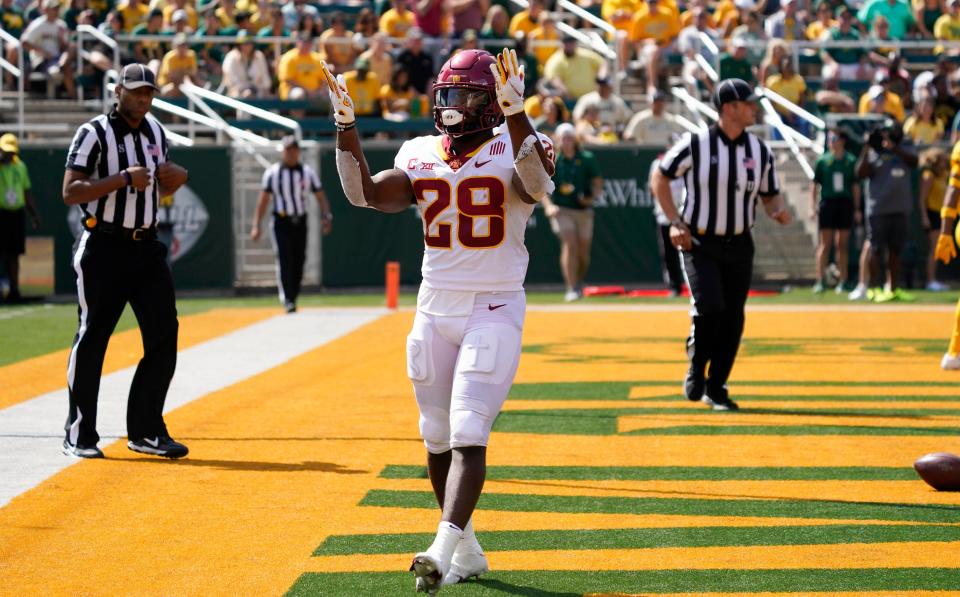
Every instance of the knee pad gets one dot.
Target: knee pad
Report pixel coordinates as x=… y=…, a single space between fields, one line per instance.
x=470 y=424
x=435 y=429
x=489 y=354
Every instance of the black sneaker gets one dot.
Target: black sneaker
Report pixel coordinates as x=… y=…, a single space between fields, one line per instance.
x=290 y=307
x=81 y=451
x=159 y=446
x=719 y=400
x=693 y=385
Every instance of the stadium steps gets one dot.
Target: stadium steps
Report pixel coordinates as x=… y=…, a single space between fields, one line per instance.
x=48 y=121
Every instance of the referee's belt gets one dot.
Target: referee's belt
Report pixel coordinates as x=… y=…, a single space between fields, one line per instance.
x=726 y=238
x=293 y=218
x=135 y=234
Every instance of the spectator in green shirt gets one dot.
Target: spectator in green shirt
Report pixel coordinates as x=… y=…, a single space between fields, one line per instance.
x=844 y=63
x=570 y=209
x=735 y=65
x=14 y=197
x=835 y=204
x=897 y=12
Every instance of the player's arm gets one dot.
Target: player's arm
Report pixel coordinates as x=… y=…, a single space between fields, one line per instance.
x=388 y=191
x=945 y=250
x=533 y=167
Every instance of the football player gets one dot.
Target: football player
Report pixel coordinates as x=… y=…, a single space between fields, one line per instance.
x=475 y=189
x=945 y=250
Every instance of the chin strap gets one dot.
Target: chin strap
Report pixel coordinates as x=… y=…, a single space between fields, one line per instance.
x=536 y=182
x=349 y=170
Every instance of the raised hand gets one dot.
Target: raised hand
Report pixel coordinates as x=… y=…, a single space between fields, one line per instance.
x=508 y=74
x=339 y=98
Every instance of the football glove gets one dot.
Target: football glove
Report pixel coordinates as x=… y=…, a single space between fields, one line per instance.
x=339 y=97
x=945 y=250
x=508 y=74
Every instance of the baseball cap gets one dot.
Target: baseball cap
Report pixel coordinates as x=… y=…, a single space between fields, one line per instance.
x=179 y=15
x=8 y=143
x=733 y=90
x=362 y=63
x=289 y=141
x=745 y=4
x=738 y=42
x=51 y=4
x=565 y=129
x=134 y=76
x=414 y=33
x=568 y=38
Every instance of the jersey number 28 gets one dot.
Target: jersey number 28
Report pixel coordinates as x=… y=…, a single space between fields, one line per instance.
x=437 y=193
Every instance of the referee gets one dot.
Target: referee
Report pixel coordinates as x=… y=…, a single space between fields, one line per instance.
x=724 y=169
x=288 y=182
x=116 y=168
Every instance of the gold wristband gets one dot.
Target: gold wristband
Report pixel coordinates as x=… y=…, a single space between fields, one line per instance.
x=948 y=212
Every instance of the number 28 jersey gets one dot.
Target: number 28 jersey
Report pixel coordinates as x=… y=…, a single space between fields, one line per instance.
x=473 y=219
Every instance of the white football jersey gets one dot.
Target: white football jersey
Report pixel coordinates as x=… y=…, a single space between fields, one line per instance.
x=473 y=219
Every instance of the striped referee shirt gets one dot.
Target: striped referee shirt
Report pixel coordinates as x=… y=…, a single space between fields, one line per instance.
x=106 y=145
x=722 y=178
x=289 y=187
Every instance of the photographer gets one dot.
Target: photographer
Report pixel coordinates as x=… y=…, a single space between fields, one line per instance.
x=885 y=163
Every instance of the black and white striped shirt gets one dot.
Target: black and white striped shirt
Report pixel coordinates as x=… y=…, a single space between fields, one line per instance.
x=289 y=187
x=105 y=146
x=722 y=178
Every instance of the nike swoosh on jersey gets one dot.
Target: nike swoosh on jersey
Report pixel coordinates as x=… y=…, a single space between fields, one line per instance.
x=495 y=307
x=480 y=164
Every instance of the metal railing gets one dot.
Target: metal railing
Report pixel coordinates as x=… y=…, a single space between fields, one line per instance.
x=82 y=54
x=772 y=117
x=18 y=72
x=242 y=107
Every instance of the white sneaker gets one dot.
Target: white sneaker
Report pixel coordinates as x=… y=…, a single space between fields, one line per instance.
x=937 y=286
x=427 y=572
x=859 y=293
x=950 y=362
x=465 y=565
x=571 y=295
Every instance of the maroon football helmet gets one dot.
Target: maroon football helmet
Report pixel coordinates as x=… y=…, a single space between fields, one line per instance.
x=465 y=94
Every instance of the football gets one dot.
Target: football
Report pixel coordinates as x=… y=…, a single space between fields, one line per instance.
x=941 y=470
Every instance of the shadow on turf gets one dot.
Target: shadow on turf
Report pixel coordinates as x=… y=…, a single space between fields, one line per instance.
x=263 y=467
x=511 y=589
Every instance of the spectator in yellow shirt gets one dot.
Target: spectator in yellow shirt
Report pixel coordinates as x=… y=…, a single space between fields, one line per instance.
x=923 y=126
x=178 y=65
x=573 y=72
x=299 y=71
x=825 y=20
x=399 y=100
x=526 y=21
x=192 y=20
x=134 y=12
x=688 y=16
x=792 y=87
x=877 y=100
x=396 y=21
x=947 y=27
x=542 y=40
x=364 y=88
x=653 y=31
x=619 y=13
x=337 y=44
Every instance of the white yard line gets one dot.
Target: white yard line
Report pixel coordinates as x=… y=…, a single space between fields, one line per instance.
x=31 y=432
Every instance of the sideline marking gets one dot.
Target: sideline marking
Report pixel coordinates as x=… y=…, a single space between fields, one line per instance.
x=31 y=434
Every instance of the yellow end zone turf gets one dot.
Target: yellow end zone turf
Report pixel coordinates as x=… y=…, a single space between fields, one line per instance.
x=281 y=461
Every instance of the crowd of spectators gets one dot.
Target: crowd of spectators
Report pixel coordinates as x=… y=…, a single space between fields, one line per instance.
x=389 y=52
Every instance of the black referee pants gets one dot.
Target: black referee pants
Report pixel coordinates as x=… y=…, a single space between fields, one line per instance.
x=718 y=271
x=111 y=272
x=290 y=238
